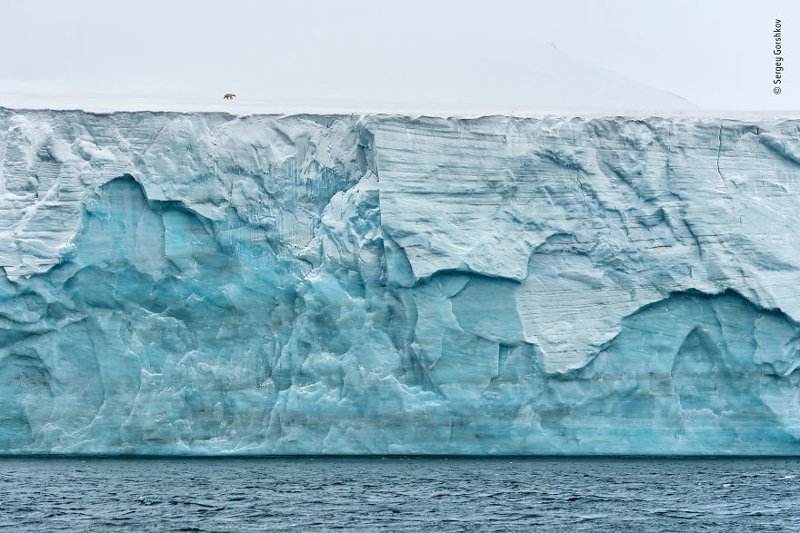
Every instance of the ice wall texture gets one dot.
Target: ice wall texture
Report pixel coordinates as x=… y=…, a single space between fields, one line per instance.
x=209 y=284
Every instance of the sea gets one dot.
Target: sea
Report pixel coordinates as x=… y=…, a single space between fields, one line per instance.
x=399 y=494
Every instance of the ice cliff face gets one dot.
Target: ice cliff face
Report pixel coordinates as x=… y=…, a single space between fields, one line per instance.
x=201 y=283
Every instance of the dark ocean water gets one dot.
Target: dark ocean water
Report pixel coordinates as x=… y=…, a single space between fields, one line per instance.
x=414 y=494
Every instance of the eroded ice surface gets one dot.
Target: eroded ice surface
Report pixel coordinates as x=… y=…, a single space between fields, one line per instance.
x=201 y=283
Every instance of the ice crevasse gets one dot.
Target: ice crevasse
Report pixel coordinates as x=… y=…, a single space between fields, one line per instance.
x=203 y=283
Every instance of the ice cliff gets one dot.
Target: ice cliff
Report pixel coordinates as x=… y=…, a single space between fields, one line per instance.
x=210 y=284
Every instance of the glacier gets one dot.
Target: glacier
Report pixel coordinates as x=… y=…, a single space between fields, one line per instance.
x=211 y=284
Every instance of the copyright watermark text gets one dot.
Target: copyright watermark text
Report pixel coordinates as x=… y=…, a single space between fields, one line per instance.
x=777 y=55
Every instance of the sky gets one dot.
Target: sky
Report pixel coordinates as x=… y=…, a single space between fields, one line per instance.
x=716 y=54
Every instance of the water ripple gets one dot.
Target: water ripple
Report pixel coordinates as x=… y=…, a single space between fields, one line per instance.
x=398 y=494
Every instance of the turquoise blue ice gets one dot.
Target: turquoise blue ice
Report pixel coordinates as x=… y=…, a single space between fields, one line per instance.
x=208 y=284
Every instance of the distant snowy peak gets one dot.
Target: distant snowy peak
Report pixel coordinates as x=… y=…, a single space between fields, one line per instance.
x=570 y=83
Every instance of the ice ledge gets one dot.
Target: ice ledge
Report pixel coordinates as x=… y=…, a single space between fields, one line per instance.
x=367 y=285
x=593 y=218
x=596 y=218
x=52 y=162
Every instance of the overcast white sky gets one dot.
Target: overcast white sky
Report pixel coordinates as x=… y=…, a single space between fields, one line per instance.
x=717 y=54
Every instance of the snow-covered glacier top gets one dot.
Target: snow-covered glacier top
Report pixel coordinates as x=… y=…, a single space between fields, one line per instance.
x=393 y=284
x=548 y=80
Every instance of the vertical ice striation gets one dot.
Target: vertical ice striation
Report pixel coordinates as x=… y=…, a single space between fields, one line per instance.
x=209 y=284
